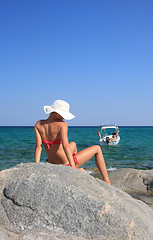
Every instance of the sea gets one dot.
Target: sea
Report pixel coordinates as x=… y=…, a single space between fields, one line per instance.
x=135 y=149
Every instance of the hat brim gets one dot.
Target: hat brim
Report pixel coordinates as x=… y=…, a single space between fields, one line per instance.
x=65 y=115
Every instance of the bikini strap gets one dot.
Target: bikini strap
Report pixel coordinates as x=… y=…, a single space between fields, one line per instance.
x=54 y=142
x=47 y=143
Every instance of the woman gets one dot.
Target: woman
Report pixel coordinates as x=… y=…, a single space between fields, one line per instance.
x=53 y=133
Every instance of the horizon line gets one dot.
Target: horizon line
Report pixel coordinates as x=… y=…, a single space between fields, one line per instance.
x=31 y=126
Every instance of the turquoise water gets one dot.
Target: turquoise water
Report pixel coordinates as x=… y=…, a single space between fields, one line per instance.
x=135 y=149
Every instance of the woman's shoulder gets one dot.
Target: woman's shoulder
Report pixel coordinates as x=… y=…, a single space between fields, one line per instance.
x=39 y=123
x=63 y=123
x=63 y=126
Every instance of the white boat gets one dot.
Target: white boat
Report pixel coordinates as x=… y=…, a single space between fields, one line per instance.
x=108 y=135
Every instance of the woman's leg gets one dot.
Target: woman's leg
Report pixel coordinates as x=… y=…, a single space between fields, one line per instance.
x=73 y=147
x=85 y=155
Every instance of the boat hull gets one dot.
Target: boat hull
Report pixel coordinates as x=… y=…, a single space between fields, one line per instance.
x=105 y=141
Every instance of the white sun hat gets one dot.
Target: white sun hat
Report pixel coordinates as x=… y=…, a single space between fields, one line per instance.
x=61 y=107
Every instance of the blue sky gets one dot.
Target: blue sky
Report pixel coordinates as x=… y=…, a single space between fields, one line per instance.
x=95 y=54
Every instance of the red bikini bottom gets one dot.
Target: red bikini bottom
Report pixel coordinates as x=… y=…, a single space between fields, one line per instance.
x=75 y=160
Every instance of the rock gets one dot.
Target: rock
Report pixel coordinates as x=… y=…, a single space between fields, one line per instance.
x=148 y=181
x=137 y=183
x=52 y=200
x=134 y=182
x=38 y=235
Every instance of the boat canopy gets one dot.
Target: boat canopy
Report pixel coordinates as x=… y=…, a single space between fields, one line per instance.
x=108 y=126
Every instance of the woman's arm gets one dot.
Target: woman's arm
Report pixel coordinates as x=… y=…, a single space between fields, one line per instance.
x=38 y=146
x=65 y=144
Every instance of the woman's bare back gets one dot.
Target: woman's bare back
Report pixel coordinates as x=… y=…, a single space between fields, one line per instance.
x=51 y=131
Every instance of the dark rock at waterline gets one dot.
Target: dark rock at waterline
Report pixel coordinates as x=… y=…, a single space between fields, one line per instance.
x=52 y=201
x=148 y=181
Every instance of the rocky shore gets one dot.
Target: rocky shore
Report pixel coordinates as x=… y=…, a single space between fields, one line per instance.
x=48 y=202
x=137 y=183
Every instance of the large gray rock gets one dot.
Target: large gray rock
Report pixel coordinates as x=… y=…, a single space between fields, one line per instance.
x=41 y=199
